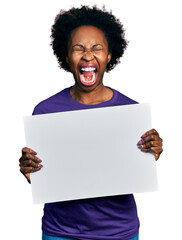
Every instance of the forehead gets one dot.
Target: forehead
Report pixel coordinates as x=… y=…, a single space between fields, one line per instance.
x=88 y=34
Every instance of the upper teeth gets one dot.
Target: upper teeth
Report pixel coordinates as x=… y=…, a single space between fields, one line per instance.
x=88 y=69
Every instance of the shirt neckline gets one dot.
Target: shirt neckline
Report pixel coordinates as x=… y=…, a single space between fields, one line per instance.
x=107 y=103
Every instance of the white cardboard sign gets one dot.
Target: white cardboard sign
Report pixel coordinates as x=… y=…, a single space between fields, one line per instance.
x=90 y=153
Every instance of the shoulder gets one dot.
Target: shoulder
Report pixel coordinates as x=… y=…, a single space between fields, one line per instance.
x=52 y=104
x=123 y=99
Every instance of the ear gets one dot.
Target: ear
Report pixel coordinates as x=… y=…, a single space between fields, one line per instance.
x=109 y=57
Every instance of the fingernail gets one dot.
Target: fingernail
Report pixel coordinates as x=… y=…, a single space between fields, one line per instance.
x=140 y=146
x=143 y=136
x=140 y=142
x=40 y=166
x=34 y=153
x=38 y=160
x=143 y=150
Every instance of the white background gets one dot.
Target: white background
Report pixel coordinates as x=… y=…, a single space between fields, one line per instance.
x=149 y=72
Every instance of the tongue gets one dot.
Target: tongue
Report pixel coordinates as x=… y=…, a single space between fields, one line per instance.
x=88 y=75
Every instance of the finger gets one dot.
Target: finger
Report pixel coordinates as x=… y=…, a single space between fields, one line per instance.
x=26 y=170
x=148 y=144
x=146 y=150
x=29 y=163
x=150 y=132
x=149 y=138
x=151 y=135
x=28 y=150
x=156 y=149
x=151 y=142
x=27 y=153
x=29 y=157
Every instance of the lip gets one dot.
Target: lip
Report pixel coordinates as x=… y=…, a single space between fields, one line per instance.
x=88 y=83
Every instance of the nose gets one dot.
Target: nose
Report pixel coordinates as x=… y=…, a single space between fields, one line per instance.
x=88 y=56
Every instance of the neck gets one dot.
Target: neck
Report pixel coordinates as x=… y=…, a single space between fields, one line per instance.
x=98 y=95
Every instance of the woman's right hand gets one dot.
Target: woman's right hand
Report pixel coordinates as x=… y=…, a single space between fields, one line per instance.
x=29 y=162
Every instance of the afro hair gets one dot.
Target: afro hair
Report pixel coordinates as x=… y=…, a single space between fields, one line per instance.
x=67 y=21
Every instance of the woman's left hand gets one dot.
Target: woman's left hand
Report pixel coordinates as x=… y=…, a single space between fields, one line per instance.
x=151 y=142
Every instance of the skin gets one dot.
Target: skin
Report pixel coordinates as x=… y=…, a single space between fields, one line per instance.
x=88 y=46
x=29 y=162
x=151 y=142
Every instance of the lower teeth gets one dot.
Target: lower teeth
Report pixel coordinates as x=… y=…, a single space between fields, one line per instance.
x=90 y=80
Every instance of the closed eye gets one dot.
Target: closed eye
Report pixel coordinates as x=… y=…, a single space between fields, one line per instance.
x=78 y=47
x=97 y=47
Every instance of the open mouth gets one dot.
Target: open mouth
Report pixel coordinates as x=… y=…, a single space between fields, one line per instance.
x=88 y=75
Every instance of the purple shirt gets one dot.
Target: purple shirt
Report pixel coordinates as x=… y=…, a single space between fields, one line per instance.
x=112 y=218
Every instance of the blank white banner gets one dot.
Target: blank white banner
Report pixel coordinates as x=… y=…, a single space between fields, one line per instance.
x=90 y=153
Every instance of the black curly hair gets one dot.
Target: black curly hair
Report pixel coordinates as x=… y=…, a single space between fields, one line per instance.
x=67 y=21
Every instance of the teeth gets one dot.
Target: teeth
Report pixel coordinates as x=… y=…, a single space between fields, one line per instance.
x=88 y=81
x=88 y=69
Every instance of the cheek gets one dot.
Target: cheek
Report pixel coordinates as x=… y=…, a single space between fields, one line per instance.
x=103 y=62
x=72 y=61
x=103 y=58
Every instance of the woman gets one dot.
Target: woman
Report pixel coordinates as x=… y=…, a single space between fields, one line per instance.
x=87 y=42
